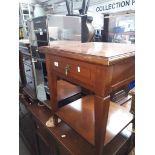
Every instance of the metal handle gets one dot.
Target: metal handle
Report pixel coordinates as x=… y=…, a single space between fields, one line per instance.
x=67 y=69
x=28 y=70
x=29 y=82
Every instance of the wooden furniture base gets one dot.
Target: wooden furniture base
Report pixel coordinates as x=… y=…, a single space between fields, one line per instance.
x=73 y=144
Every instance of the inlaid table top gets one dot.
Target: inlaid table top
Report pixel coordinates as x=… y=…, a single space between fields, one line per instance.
x=97 y=52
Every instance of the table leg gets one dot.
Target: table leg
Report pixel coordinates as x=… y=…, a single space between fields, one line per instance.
x=101 y=107
x=52 y=83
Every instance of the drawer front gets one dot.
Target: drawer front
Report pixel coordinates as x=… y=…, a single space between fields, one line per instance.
x=27 y=59
x=63 y=151
x=77 y=70
x=28 y=70
x=30 y=83
x=46 y=136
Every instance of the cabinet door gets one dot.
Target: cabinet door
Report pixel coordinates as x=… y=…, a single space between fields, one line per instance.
x=63 y=151
x=46 y=143
x=44 y=149
x=27 y=129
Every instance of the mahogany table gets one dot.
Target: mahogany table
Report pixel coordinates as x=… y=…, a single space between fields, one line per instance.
x=101 y=68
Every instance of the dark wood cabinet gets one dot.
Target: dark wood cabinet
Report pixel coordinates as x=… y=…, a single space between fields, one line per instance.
x=35 y=135
x=49 y=141
x=46 y=145
x=27 y=129
x=44 y=148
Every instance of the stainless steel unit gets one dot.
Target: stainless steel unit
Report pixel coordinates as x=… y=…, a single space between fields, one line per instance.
x=40 y=30
x=51 y=28
x=39 y=37
x=71 y=28
x=64 y=27
x=41 y=81
x=32 y=36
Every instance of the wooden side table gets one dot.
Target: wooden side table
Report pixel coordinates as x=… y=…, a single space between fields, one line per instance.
x=100 y=68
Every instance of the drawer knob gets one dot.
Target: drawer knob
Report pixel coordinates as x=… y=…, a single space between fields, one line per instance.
x=78 y=69
x=67 y=69
x=63 y=136
x=56 y=64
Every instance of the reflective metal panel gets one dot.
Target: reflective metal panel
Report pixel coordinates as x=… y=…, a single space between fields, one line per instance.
x=64 y=27
x=32 y=37
x=41 y=80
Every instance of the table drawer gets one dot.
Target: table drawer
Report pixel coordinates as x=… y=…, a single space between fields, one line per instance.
x=77 y=70
x=28 y=70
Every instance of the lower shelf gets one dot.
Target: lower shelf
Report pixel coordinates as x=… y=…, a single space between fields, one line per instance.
x=80 y=116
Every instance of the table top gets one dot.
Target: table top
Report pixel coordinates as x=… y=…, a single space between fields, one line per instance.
x=80 y=116
x=97 y=52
